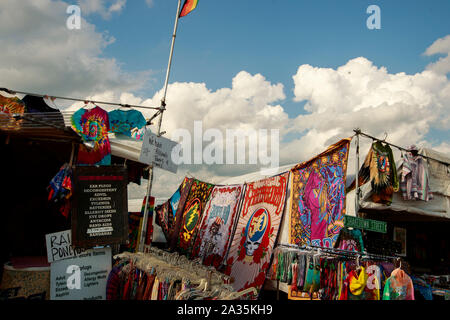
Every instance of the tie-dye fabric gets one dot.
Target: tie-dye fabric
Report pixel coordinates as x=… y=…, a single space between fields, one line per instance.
x=191 y=217
x=121 y=121
x=256 y=231
x=318 y=197
x=93 y=126
x=214 y=237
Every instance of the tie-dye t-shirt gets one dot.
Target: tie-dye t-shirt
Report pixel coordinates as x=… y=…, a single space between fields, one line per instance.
x=399 y=286
x=121 y=121
x=93 y=126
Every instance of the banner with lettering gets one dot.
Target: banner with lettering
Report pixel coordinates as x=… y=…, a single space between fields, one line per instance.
x=318 y=197
x=192 y=215
x=214 y=236
x=257 y=229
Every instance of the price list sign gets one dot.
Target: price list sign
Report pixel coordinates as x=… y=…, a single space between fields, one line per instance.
x=100 y=208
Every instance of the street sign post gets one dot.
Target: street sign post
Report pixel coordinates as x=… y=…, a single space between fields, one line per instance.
x=366 y=224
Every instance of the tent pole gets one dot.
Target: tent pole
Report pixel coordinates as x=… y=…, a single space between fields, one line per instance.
x=356 y=174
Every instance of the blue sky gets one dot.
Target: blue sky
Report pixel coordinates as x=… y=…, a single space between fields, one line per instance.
x=271 y=37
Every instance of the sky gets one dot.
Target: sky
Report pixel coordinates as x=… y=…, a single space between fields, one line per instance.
x=311 y=69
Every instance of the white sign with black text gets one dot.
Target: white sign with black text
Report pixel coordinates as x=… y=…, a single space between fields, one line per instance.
x=81 y=278
x=158 y=152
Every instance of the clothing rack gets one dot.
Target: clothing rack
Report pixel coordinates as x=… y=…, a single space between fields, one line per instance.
x=352 y=254
x=359 y=132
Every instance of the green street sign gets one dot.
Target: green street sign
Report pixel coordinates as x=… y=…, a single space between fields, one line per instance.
x=366 y=224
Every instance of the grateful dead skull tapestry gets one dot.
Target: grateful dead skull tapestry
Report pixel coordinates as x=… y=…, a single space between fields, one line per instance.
x=318 y=197
x=218 y=221
x=256 y=231
x=190 y=219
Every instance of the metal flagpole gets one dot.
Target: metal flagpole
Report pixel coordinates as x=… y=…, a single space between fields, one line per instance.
x=142 y=246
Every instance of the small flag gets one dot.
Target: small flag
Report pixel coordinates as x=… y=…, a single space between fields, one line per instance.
x=188 y=7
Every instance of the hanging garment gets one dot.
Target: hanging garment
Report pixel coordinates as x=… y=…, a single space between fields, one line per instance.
x=373 y=283
x=38 y=105
x=357 y=283
x=121 y=121
x=192 y=215
x=318 y=197
x=398 y=286
x=93 y=126
x=112 y=284
x=221 y=213
x=414 y=177
x=379 y=168
x=8 y=107
x=350 y=240
x=256 y=231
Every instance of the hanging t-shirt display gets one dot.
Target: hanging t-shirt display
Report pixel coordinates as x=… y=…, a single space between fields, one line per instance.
x=256 y=231
x=192 y=215
x=121 y=121
x=379 y=168
x=350 y=240
x=318 y=197
x=215 y=231
x=38 y=105
x=414 y=177
x=93 y=126
x=398 y=286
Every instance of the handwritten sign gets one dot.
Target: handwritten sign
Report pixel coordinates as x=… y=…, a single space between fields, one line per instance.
x=100 y=207
x=158 y=152
x=59 y=246
x=81 y=278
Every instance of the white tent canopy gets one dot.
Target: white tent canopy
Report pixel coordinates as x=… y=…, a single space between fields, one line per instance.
x=438 y=207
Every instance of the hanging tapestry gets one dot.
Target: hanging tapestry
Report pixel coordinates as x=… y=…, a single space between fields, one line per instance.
x=8 y=107
x=149 y=232
x=318 y=197
x=191 y=217
x=256 y=231
x=93 y=126
x=221 y=212
x=166 y=213
x=134 y=221
x=379 y=168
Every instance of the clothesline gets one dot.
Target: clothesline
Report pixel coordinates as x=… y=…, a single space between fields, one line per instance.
x=339 y=251
x=77 y=99
x=359 y=132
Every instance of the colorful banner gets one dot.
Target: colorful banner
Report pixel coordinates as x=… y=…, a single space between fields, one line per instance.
x=214 y=236
x=167 y=214
x=318 y=197
x=192 y=215
x=256 y=231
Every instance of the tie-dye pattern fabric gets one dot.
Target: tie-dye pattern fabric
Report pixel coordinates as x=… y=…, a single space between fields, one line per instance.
x=93 y=126
x=318 y=197
x=256 y=232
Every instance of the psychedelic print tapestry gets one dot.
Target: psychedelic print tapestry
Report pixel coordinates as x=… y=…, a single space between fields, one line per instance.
x=318 y=197
x=256 y=232
x=167 y=213
x=214 y=236
x=189 y=222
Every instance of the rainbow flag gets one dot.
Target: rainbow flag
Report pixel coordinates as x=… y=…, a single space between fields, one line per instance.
x=188 y=7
